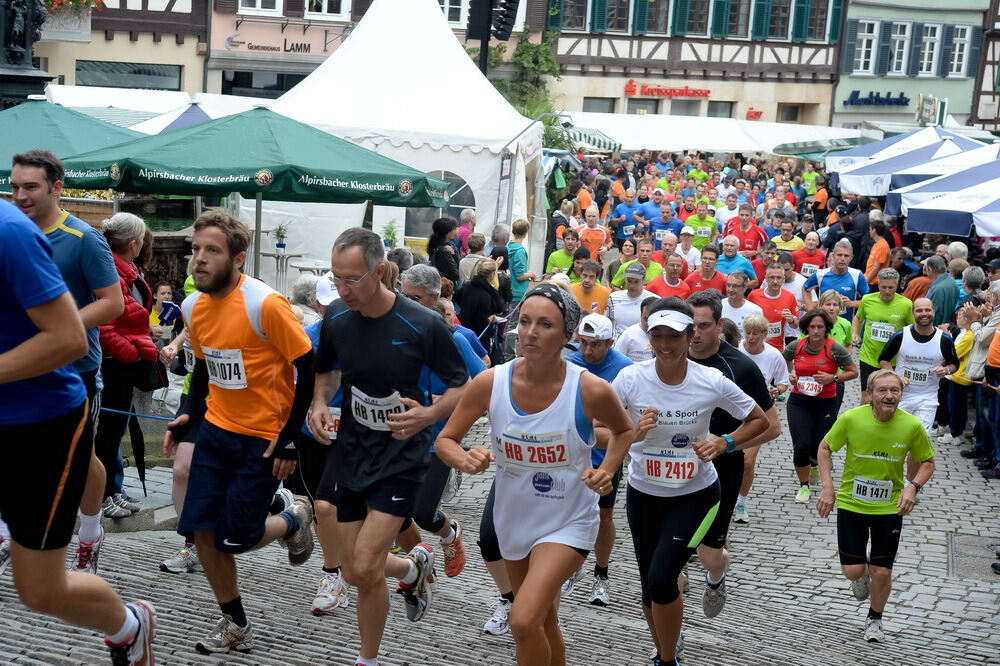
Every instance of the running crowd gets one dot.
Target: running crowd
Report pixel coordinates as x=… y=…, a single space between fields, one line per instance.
x=683 y=299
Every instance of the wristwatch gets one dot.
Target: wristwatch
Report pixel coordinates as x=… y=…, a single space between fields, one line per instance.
x=730 y=443
x=914 y=484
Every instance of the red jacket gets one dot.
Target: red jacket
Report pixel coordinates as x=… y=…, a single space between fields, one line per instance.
x=127 y=338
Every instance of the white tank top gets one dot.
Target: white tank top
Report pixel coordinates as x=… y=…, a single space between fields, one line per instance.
x=914 y=361
x=540 y=458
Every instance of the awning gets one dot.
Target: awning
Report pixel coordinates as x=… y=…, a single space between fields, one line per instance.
x=553 y=156
x=592 y=140
x=817 y=150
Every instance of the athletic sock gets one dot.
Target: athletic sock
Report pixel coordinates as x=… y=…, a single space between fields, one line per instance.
x=128 y=630
x=714 y=584
x=361 y=661
x=411 y=576
x=234 y=609
x=601 y=572
x=508 y=596
x=451 y=534
x=804 y=484
x=90 y=527
x=277 y=506
x=874 y=615
x=331 y=570
x=293 y=523
x=741 y=499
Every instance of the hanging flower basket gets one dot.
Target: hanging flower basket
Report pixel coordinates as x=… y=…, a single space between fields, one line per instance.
x=72 y=8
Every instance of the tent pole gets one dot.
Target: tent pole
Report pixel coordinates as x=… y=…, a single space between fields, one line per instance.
x=256 y=237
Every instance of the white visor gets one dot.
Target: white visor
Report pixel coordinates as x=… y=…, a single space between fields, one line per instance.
x=672 y=318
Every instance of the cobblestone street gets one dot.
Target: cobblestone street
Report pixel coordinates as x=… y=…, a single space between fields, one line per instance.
x=787 y=603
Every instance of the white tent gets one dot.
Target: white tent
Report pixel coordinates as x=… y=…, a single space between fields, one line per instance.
x=716 y=135
x=402 y=85
x=214 y=106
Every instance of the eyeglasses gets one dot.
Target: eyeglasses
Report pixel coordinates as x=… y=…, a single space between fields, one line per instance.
x=350 y=282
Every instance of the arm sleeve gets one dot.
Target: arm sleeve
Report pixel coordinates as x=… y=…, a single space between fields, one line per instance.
x=862 y=286
x=285 y=449
x=518 y=263
x=841 y=355
x=28 y=268
x=195 y=406
x=622 y=386
x=891 y=348
x=788 y=353
x=445 y=359
x=780 y=371
x=921 y=446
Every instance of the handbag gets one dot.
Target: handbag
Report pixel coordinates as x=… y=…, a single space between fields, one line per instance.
x=150 y=375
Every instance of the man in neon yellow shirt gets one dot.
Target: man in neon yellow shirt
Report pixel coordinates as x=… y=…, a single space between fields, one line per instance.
x=698 y=172
x=873 y=498
x=644 y=253
x=560 y=261
x=706 y=228
x=809 y=177
x=883 y=313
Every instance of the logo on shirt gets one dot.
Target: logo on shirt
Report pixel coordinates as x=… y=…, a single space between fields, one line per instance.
x=264 y=178
x=399 y=342
x=680 y=441
x=542 y=482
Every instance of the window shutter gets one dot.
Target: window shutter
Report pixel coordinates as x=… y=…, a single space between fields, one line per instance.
x=358 y=9
x=884 y=48
x=554 y=19
x=535 y=14
x=972 y=62
x=226 y=6
x=761 y=19
x=295 y=8
x=599 y=16
x=836 y=14
x=681 y=14
x=800 y=20
x=720 y=18
x=916 y=39
x=850 y=44
x=944 y=53
x=640 y=16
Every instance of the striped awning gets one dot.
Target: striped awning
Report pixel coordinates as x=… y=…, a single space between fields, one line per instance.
x=592 y=140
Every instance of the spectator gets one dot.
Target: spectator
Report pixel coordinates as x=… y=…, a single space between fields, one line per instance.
x=943 y=291
x=482 y=304
x=440 y=253
x=304 y=296
x=475 y=245
x=521 y=277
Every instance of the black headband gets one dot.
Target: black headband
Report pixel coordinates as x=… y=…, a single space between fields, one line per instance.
x=565 y=301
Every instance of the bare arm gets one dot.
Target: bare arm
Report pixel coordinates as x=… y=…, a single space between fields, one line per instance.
x=474 y=401
x=754 y=425
x=109 y=306
x=324 y=388
x=824 y=458
x=601 y=404
x=61 y=339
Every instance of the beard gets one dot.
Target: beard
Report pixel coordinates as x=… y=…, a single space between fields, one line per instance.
x=217 y=281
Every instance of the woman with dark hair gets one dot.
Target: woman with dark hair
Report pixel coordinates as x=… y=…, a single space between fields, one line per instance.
x=499 y=255
x=482 y=304
x=440 y=253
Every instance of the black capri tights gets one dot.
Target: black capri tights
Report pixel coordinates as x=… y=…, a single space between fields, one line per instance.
x=665 y=532
x=809 y=419
x=489 y=545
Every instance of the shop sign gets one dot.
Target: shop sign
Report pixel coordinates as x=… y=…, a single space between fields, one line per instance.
x=753 y=114
x=644 y=90
x=286 y=47
x=876 y=99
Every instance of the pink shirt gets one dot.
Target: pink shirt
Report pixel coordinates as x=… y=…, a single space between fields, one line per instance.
x=463 y=235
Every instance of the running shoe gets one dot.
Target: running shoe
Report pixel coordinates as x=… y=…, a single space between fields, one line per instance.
x=111 y=510
x=417 y=595
x=802 y=497
x=225 y=637
x=454 y=552
x=740 y=515
x=138 y=651
x=285 y=498
x=4 y=555
x=685 y=582
x=300 y=545
x=572 y=580
x=861 y=587
x=499 y=622
x=873 y=631
x=330 y=595
x=396 y=550
x=86 y=555
x=184 y=561
x=451 y=488
x=714 y=600
x=600 y=592
x=813 y=474
x=120 y=500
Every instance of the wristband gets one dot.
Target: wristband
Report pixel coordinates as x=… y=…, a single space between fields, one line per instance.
x=730 y=443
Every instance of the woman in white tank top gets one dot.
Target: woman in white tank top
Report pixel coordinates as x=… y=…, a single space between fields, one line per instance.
x=541 y=412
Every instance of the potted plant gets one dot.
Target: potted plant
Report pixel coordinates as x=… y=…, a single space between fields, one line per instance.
x=389 y=237
x=280 y=233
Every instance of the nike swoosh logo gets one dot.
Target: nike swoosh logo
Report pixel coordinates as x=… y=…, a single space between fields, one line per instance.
x=399 y=342
x=397 y=499
x=230 y=543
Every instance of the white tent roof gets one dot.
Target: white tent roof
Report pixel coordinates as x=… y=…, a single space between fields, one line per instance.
x=155 y=101
x=402 y=76
x=721 y=135
x=214 y=106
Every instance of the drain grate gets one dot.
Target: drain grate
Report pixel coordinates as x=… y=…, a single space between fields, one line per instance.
x=970 y=556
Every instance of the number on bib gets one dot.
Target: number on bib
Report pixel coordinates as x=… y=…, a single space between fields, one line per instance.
x=704 y=232
x=534 y=451
x=809 y=269
x=373 y=412
x=660 y=233
x=225 y=367
x=188 y=357
x=773 y=329
x=628 y=230
x=881 y=332
x=915 y=376
x=808 y=386
x=872 y=490
x=668 y=466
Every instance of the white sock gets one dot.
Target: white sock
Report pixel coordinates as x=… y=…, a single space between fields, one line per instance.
x=90 y=527
x=741 y=499
x=128 y=630
x=451 y=535
x=361 y=661
x=4 y=531
x=411 y=576
x=708 y=578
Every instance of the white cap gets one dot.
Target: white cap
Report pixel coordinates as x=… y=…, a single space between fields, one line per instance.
x=600 y=327
x=560 y=277
x=672 y=318
x=326 y=290
x=687 y=230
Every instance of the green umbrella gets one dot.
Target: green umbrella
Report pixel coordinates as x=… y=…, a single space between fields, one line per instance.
x=39 y=124
x=259 y=154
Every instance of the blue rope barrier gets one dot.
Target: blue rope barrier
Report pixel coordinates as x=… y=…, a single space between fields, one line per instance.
x=141 y=416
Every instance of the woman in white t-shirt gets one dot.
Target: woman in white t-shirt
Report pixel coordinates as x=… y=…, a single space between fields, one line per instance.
x=673 y=490
x=541 y=412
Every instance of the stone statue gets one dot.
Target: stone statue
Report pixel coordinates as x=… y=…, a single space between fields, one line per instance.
x=23 y=21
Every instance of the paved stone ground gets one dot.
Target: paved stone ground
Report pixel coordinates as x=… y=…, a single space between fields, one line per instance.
x=787 y=605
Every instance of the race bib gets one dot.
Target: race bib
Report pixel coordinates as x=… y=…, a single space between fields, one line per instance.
x=871 y=490
x=808 y=386
x=661 y=233
x=372 y=412
x=773 y=329
x=704 y=232
x=628 y=230
x=916 y=376
x=331 y=430
x=225 y=367
x=534 y=451
x=808 y=269
x=669 y=466
x=188 y=356
x=882 y=332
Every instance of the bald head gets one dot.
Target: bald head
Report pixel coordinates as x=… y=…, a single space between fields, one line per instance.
x=592 y=215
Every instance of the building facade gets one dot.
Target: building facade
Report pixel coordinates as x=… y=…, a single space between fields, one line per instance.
x=772 y=60
x=896 y=50
x=986 y=98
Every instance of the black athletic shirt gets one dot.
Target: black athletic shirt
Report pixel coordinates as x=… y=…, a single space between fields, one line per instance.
x=378 y=356
x=742 y=371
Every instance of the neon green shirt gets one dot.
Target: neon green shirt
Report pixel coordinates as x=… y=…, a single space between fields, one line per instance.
x=703 y=230
x=882 y=320
x=876 y=452
x=653 y=271
x=189 y=289
x=809 y=179
x=559 y=259
x=698 y=175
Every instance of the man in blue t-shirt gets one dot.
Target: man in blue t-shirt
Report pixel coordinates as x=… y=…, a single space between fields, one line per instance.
x=44 y=417
x=596 y=355
x=86 y=265
x=850 y=282
x=623 y=217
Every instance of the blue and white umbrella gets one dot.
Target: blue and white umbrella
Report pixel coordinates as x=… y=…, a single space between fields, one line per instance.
x=955 y=214
x=898 y=201
x=894 y=145
x=874 y=178
x=946 y=165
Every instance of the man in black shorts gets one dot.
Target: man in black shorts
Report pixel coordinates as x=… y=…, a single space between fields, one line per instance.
x=708 y=348
x=382 y=341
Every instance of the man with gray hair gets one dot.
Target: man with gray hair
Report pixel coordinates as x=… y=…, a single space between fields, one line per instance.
x=466 y=226
x=943 y=291
x=402 y=257
x=304 y=298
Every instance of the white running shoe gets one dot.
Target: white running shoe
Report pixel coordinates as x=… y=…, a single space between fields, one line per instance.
x=138 y=651
x=111 y=510
x=86 y=555
x=330 y=595
x=184 y=561
x=714 y=600
x=417 y=596
x=873 y=631
x=499 y=622
x=740 y=514
x=119 y=500
x=860 y=587
x=572 y=580
x=226 y=636
x=4 y=555
x=600 y=592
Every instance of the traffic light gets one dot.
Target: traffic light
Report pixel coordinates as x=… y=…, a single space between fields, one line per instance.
x=480 y=19
x=503 y=18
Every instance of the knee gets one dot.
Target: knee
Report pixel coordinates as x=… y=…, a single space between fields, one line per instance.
x=853 y=571
x=524 y=622
x=182 y=470
x=364 y=574
x=662 y=585
x=881 y=575
x=326 y=512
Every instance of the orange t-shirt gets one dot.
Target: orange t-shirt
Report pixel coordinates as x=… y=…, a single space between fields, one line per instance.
x=660 y=287
x=583 y=200
x=593 y=239
x=697 y=283
x=595 y=301
x=820 y=198
x=251 y=380
x=993 y=354
x=880 y=254
x=772 y=308
x=617 y=190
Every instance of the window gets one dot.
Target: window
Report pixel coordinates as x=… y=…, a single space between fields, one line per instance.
x=818 y=10
x=328 y=9
x=420 y=220
x=720 y=109
x=657 y=15
x=128 y=75
x=452 y=9
x=260 y=7
x=899 y=48
x=864 y=51
x=685 y=107
x=739 y=18
x=698 y=17
x=574 y=14
x=959 y=51
x=270 y=85
x=599 y=104
x=788 y=113
x=642 y=106
x=781 y=10
x=618 y=16
x=929 y=50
